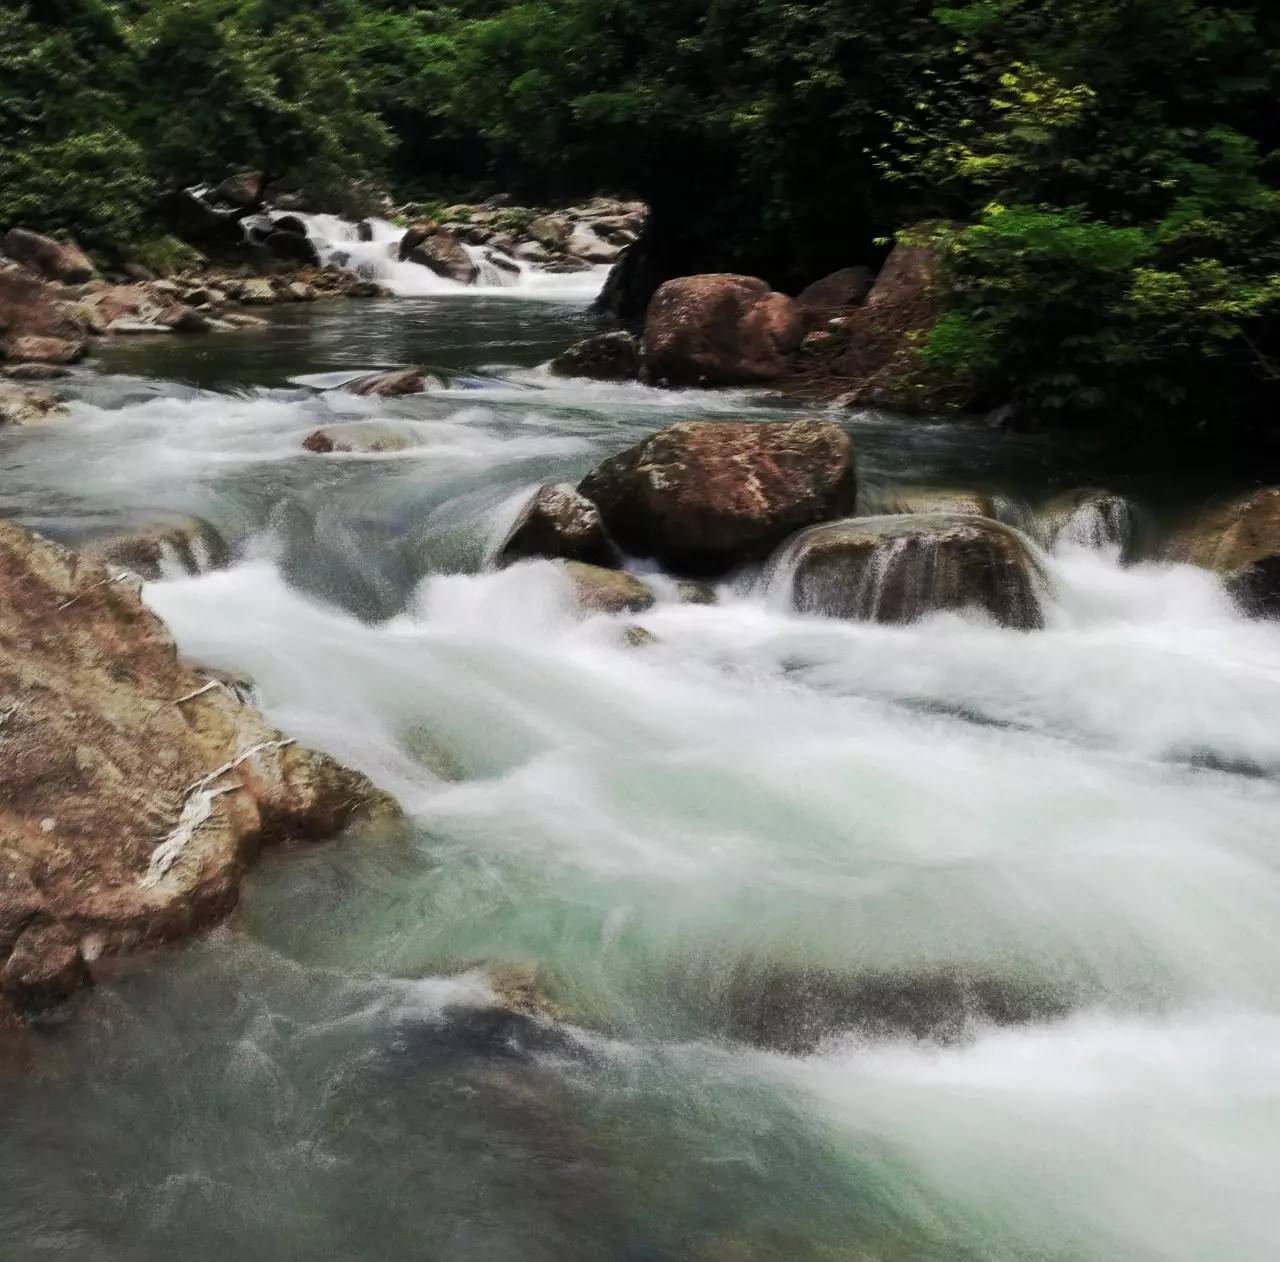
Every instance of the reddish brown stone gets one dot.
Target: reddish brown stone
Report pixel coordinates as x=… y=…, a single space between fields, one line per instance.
x=705 y=496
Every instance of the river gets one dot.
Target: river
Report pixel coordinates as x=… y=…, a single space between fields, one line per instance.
x=1036 y=872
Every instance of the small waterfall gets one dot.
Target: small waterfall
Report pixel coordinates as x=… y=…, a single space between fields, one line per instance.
x=1096 y=519
x=371 y=249
x=899 y=568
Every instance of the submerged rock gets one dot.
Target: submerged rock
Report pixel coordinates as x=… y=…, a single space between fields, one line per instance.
x=720 y=330
x=136 y=790
x=599 y=590
x=1239 y=539
x=611 y=356
x=165 y=545
x=361 y=436
x=932 y=499
x=900 y=568
x=34 y=372
x=704 y=496
x=559 y=522
x=386 y=385
x=796 y=1008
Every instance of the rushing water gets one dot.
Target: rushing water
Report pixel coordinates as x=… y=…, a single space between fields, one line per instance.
x=1034 y=876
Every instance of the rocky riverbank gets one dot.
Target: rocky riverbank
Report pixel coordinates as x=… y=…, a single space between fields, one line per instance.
x=137 y=787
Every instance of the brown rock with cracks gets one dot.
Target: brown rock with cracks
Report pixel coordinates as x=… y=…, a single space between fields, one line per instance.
x=720 y=330
x=704 y=496
x=136 y=790
x=559 y=522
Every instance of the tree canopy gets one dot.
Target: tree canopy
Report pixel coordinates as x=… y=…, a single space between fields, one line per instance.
x=1112 y=166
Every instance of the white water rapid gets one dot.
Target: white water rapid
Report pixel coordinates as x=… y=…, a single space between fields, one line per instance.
x=935 y=942
x=338 y=240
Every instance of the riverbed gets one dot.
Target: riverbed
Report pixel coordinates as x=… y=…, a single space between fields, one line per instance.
x=1034 y=873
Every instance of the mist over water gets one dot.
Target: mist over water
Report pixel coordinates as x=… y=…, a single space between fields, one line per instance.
x=937 y=941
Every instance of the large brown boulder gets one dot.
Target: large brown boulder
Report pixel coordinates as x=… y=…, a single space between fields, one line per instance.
x=559 y=522
x=54 y=260
x=135 y=789
x=720 y=330
x=1239 y=539
x=415 y=235
x=900 y=568
x=447 y=257
x=832 y=295
x=613 y=356
x=35 y=325
x=885 y=334
x=704 y=496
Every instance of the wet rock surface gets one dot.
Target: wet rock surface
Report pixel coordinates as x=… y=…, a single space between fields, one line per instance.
x=558 y=522
x=1239 y=539
x=614 y=356
x=705 y=496
x=136 y=789
x=720 y=330
x=900 y=568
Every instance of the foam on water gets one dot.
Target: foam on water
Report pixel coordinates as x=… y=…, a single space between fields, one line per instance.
x=338 y=240
x=1083 y=814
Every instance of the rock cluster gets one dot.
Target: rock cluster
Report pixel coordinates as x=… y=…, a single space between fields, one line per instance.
x=136 y=788
x=572 y=239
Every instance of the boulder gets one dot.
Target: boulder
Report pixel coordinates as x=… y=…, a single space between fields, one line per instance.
x=34 y=372
x=831 y=295
x=256 y=292
x=137 y=791
x=119 y=302
x=35 y=324
x=583 y=242
x=899 y=568
x=24 y=405
x=611 y=356
x=720 y=330
x=704 y=496
x=930 y=499
x=361 y=436
x=289 y=247
x=43 y=350
x=532 y=252
x=182 y=319
x=884 y=334
x=387 y=385
x=242 y=190
x=597 y=590
x=415 y=235
x=161 y=545
x=447 y=257
x=54 y=260
x=1239 y=539
x=559 y=522
x=549 y=231
x=796 y=1008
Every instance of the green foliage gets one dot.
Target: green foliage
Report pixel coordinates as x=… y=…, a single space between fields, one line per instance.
x=1115 y=163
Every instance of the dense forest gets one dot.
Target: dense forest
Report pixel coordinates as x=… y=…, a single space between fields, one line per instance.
x=1109 y=169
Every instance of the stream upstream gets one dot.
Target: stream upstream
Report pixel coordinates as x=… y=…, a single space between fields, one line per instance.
x=1037 y=872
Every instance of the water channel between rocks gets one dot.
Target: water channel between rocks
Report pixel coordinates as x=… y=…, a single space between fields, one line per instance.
x=1038 y=871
